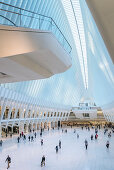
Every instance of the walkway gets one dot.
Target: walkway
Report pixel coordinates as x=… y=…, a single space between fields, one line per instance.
x=72 y=156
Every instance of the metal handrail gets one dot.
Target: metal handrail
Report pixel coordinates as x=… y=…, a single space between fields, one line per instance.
x=40 y=17
x=7 y=19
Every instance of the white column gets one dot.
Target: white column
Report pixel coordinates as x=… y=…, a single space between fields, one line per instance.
x=49 y=124
x=21 y=127
x=38 y=126
x=52 y=125
x=42 y=124
x=27 y=128
x=55 y=124
x=31 y=126
x=12 y=129
x=35 y=127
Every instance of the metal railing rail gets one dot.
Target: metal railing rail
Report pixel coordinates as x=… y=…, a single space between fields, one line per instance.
x=40 y=19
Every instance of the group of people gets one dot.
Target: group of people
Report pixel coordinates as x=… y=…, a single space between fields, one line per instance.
x=64 y=130
x=31 y=138
x=96 y=136
x=58 y=146
x=23 y=136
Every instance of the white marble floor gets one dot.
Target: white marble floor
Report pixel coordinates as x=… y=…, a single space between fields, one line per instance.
x=72 y=155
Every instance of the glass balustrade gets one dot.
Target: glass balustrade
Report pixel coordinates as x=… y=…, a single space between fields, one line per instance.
x=18 y=17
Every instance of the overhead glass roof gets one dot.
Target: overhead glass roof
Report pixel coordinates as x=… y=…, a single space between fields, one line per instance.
x=92 y=71
x=74 y=15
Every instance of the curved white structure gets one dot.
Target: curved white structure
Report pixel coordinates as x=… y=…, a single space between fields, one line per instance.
x=103 y=13
x=30 y=54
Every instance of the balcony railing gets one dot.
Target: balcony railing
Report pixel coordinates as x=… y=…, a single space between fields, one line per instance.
x=18 y=17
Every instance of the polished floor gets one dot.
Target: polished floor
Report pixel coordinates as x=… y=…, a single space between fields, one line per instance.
x=72 y=156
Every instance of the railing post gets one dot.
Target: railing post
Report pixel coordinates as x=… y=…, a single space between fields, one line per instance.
x=20 y=17
x=39 y=22
x=63 y=42
x=51 y=24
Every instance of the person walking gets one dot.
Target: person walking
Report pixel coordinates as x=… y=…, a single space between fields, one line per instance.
x=56 y=148
x=40 y=134
x=8 y=160
x=77 y=135
x=96 y=136
x=32 y=138
x=107 y=144
x=35 y=134
x=96 y=130
x=59 y=144
x=24 y=137
x=18 y=139
x=29 y=138
x=91 y=137
x=20 y=135
x=1 y=143
x=86 y=144
x=41 y=142
x=43 y=161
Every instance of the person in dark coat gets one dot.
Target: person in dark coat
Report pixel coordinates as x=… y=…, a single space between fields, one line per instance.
x=29 y=138
x=86 y=144
x=8 y=160
x=40 y=134
x=1 y=143
x=41 y=142
x=91 y=137
x=107 y=144
x=18 y=139
x=59 y=144
x=43 y=161
x=32 y=138
x=35 y=134
x=56 y=148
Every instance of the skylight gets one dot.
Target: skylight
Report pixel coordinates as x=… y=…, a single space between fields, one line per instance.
x=74 y=15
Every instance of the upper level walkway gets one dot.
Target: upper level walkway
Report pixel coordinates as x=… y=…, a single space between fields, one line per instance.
x=30 y=43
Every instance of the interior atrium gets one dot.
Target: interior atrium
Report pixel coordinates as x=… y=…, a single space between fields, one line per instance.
x=56 y=84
